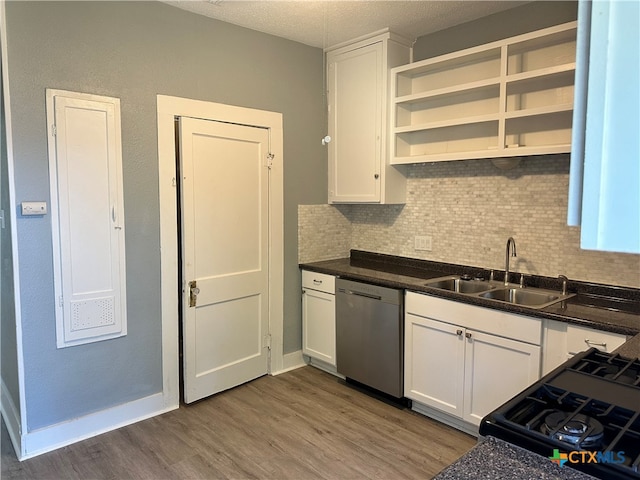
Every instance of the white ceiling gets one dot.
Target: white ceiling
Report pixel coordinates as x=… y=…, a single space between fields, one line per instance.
x=326 y=23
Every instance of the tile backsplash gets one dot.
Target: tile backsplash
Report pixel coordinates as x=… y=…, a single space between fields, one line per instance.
x=469 y=209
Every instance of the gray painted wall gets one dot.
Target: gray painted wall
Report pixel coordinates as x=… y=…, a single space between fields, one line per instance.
x=135 y=50
x=8 y=347
x=508 y=23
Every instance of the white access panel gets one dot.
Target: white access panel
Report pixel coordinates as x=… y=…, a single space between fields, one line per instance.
x=87 y=215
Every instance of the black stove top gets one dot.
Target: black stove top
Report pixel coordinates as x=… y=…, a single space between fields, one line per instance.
x=585 y=414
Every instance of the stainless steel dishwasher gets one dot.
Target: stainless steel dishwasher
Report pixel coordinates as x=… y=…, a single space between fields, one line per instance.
x=370 y=335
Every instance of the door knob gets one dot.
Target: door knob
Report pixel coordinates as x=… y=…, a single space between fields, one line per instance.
x=193 y=293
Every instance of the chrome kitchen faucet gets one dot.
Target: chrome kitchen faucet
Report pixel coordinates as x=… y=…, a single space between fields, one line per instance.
x=510 y=242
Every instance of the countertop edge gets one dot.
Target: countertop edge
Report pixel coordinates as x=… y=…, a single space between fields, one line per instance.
x=500 y=460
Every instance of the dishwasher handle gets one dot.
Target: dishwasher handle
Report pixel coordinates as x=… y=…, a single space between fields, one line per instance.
x=359 y=294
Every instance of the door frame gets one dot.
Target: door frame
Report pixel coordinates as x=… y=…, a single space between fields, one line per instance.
x=167 y=109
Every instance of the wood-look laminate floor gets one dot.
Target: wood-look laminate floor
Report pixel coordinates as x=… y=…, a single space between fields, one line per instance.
x=304 y=424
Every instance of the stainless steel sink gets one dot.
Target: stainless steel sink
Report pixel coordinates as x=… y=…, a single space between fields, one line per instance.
x=530 y=297
x=527 y=297
x=459 y=285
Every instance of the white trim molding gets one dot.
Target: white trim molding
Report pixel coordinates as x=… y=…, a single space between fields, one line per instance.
x=56 y=436
x=11 y=417
x=290 y=361
x=20 y=412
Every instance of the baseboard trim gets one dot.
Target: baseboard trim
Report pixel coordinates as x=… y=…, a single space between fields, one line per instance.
x=325 y=367
x=445 y=418
x=290 y=361
x=56 y=436
x=11 y=417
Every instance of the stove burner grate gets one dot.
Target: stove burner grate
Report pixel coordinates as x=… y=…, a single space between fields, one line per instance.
x=578 y=430
x=611 y=367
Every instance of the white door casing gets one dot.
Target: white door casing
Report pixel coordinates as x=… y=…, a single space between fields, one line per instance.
x=225 y=208
x=168 y=108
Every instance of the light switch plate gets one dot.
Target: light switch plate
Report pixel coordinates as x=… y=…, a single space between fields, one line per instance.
x=34 y=208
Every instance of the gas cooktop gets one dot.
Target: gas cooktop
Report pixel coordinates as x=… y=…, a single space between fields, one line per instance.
x=584 y=415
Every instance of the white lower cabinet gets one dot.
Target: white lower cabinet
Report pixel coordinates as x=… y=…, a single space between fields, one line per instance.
x=464 y=360
x=434 y=363
x=563 y=340
x=319 y=317
x=496 y=369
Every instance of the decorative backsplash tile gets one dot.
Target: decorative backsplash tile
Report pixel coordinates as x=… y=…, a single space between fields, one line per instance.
x=469 y=209
x=324 y=232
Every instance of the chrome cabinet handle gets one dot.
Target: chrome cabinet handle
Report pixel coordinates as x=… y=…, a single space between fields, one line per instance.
x=594 y=344
x=317 y=282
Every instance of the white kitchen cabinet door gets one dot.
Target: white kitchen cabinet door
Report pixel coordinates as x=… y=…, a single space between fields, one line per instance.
x=319 y=316
x=319 y=325
x=496 y=369
x=87 y=217
x=357 y=87
x=434 y=363
x=355 y=124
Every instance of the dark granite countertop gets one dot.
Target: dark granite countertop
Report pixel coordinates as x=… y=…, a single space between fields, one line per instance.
x=495 y=459
x=604 y=307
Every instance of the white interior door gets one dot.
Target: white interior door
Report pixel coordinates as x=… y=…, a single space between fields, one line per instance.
x=225 y=192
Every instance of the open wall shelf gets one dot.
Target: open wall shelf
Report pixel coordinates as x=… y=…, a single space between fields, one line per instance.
x=507 y=98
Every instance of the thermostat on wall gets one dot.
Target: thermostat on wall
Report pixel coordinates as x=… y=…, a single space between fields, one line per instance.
x=34 y=208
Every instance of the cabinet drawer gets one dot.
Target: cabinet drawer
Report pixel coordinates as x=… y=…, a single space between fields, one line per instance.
x=582 y=338
x=319 y=281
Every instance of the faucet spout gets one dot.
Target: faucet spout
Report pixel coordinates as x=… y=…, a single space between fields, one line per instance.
x=564 y=283
x=511 y=248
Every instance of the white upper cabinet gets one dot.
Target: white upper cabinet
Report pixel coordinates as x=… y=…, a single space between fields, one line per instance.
x=357 y=92
x=604 y=191
x=507 y=98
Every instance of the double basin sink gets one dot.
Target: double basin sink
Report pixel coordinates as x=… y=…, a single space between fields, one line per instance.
x=523 y=296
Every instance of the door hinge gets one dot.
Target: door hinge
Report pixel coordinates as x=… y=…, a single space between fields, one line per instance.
x=61 y=301
x=193 y=293
x=54 y=130
x=267 y=341
x=270 y=157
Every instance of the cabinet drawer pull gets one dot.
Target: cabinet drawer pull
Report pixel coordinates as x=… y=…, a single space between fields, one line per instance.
x=317 y=282
x=459 y=333
x=594 y=344
x=468 y=335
